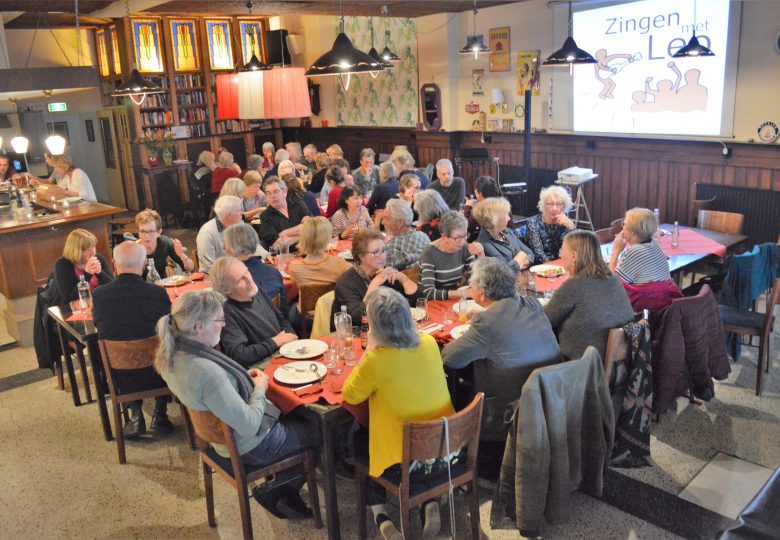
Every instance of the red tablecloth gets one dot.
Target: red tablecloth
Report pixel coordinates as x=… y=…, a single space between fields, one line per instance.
x=329 y=389
x=175 y=292
x=437 y=311
x=691 y=243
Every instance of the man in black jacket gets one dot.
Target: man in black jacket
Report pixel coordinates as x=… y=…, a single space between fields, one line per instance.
x=127 y=309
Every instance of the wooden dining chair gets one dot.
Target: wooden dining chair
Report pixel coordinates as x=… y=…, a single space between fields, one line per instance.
x=309 y=294
x=413 y=273
x=725 y=222
x=606 y=236
x=751 y=323
x=127 y=356
x=424 y=441
x=617 y=225
x=277 y=301
x=210 y=430
x=697 y=205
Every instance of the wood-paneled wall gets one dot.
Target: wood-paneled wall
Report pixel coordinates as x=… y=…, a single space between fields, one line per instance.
x=653 y=173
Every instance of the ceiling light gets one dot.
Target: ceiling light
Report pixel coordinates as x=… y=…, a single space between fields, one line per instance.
x=569 y=54
x=136 y=87
x=375 y=55
x=475 y=43
x=388 y=56
x=693 y=48
x=20 y=144
x=55 y=144
x=286 y=93
x=227 y=96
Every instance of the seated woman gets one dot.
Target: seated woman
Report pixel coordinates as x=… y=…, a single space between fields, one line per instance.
x=204 y=379
x=429 y=206
x=241 y=242
x=73 y=181
x=335 y=181
x=505 y=343
x=318 y=177
x=496 y=238
x=640 y=263
x=268 y=155
x=295 y=191
x=384 y=191
x=367 y=274
x=402 y=377
x=447 y=261
x=408 y=188
x=225 y=169
x=158 y=246
x=366 y=177
x=253 y=199
x=484 y=188
x=351 y=215
x=80 y=258
x=545 y=231
x=590 y=302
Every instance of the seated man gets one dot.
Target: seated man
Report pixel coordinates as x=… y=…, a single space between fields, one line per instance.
x=210 y=241
x=406 y=243
x=283 y=218
x=126 y=309
x=506 y=342
x=254 y=328
x=451 y=188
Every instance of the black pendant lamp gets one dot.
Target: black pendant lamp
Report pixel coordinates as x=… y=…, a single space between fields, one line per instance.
x=375 y=55
x=388 y=56
x=569 y=54
x=343 y=59
x=475 y=43
x=693 y=48
x=136 y=87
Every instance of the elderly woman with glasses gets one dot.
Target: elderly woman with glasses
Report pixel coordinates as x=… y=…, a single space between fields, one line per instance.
x=367 y=274
x=496 y=238
x=447 y=260
x=158 y=246
x=505 y=342
x=546 y=231
x=204 y=379
x=402 y=377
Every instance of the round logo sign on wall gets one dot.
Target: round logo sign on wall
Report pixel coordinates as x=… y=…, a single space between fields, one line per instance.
x=768 y=132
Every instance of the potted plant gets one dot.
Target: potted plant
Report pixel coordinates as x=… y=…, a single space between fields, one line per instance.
x=158 y=142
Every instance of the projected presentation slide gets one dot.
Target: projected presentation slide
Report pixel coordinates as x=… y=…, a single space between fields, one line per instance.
x=636 y=86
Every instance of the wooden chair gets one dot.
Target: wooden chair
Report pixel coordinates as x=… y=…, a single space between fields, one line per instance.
x=309 y=295
x=426 y=440
x=726 y=222
x=277 y=302
x=131 y=355
x=194 y=258
x=211 y=430
x=697 y=205
x=606 y=236
x=413 y=273
x=617 y=225
x=751 y=323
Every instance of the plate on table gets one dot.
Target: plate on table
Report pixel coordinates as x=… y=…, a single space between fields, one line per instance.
x=302 y=372
x=197 y=276
x=303 y=348
x=471 y=306
x=346 y=255
x=175 y=281
x=459 y=330
x=548 y=270
x=417 y=314
x=465 y=289
x=179 y=161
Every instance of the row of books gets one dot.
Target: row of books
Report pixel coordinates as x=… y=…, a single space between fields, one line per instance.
x=228 y=126
x=156 y=100
x=191 y=98
x=187 y=81
x=151 y=118
x=192 y=115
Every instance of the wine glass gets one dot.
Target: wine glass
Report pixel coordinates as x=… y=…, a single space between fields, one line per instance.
x=422 y=306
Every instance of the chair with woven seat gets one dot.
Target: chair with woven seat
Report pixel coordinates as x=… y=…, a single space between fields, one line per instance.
x=309 y=295
x=740 y=321
x=136 y=354
x=210 y=430
x=725 y=222
x=425 y=441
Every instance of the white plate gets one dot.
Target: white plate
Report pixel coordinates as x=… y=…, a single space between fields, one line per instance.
x=346 y=255
x=303 y=348
x=300 y=372
x=465 y=289
x=417 y=314
x=181 y=161
x=471 y=307
x=459 y=330
x=540 y=269
x=175 y=281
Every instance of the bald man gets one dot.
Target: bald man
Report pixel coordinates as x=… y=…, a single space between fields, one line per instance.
x=127 y=309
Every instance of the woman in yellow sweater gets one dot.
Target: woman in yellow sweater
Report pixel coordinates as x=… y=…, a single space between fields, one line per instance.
x=402 y=377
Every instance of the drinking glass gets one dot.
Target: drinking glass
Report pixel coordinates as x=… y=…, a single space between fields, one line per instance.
x=331 y=356
x=449 y=314
x=548 y=295
x=422 y=304
x=349 y=357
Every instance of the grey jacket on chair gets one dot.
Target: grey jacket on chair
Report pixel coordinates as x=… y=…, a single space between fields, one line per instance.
x=562 y=437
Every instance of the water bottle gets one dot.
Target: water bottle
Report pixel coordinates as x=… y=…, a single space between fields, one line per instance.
x=676 y=235
x=364 y=330
x=657 y=214
x=343 y=323
x=151 y=273
x=85 y=296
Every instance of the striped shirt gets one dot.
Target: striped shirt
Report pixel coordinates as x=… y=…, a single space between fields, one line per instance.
x=341 y=222
x=442 y=272
x=643 y=263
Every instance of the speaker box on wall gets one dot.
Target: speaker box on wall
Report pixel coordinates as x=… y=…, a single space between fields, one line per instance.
x=275 y=41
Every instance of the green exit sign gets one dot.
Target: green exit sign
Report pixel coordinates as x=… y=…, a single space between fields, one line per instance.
x=58 y=107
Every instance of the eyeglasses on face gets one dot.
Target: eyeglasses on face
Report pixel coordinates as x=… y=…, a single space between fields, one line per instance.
x=554 y=204
x=377 y=253
x=460 y=237
x=148 y=231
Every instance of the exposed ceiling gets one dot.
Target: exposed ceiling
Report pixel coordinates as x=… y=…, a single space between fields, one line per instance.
x=20 y=14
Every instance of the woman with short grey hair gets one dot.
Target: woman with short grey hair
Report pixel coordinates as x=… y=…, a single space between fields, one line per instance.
x=545 y=231
x=386 y=189
x=447 y=261
x=505 y=343
x=366 y=176
x=430 y=206
x=402 y=377
x=496 y=238
x=406 y=243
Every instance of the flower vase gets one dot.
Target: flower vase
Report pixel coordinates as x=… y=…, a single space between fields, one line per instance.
x=167 y=157
x=153 y=160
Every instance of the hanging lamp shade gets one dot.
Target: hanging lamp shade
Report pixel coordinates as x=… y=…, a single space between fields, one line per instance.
x=286 y=93
x=20 y=144
x=387 y=64
x=55 y=144
x=250 y=95
x=569 y=54
x=255 y=65
x=227 y=96
x=693 y=49
x=136 y=87
x=475 y=45
x=343 y=59
x=389 y=56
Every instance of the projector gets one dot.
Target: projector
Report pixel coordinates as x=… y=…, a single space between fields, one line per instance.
x=574 y=175
x=517 y=187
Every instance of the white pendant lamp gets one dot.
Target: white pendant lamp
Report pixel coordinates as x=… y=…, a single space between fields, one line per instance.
x=55 y=144
x=20 y=144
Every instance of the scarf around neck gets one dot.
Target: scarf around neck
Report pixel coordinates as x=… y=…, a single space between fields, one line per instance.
x=245 y=385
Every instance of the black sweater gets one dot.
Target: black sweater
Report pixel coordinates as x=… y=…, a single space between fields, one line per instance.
x=67 y=281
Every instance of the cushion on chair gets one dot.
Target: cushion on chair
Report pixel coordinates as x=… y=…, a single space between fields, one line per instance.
x=736 y=317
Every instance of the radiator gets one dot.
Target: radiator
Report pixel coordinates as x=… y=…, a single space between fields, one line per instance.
x=761 y=208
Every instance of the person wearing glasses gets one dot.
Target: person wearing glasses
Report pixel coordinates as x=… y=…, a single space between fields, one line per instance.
x=284 y=217
x=546 y=231
x=498 y=240
x=447 y=261
x=158 y=246
x=368 y=274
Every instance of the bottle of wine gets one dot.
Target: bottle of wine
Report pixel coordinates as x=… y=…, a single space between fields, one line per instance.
x=364 y=329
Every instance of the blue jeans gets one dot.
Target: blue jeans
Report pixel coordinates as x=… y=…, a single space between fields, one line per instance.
x=285 y=438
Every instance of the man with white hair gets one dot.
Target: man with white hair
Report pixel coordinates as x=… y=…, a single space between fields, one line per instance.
x=254 y=328
x=406 y=243
x=127 y=309
x=284 y=217
x=452 y=188
x=210 y=241
x=307 y=160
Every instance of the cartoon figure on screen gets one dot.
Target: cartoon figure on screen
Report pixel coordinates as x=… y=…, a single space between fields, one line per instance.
x=669 y=96
x=609 y=65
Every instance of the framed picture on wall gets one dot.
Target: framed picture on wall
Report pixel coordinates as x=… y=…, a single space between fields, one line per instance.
x=499 y=49
x=220 y=44
x=90 y=130
x=115 y=50
x=184 y=42
x=102 y=52
x=148 y=51
x=251 y=40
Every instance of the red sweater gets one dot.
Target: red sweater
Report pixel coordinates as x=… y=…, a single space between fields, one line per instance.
x=219 y=176
x=333 y=201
